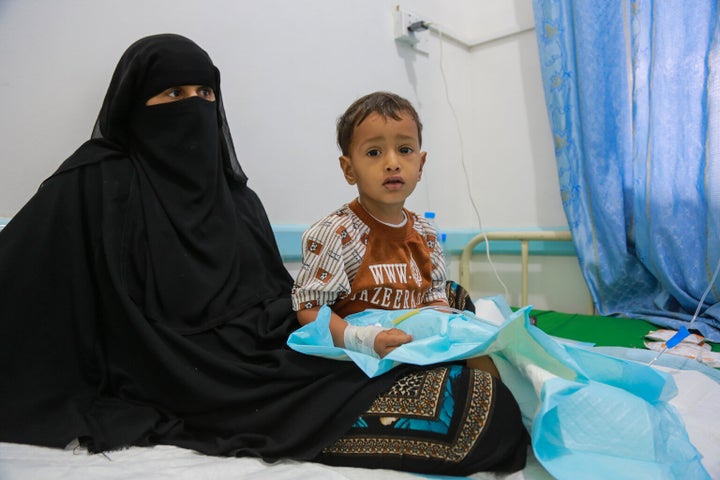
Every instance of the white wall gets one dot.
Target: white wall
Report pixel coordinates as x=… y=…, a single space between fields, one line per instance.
x=289 y=69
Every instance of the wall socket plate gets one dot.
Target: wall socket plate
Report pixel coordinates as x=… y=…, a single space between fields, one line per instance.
x=418 y=40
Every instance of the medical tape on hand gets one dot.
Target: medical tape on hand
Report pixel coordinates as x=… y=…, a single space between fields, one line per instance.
x=362 y=339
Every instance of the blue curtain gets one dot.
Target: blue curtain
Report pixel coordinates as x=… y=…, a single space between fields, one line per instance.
x=633 y=96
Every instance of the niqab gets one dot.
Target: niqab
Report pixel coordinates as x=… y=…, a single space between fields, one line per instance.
x=182 y=266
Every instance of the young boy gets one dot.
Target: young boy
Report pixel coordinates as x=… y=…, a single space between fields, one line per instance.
x=372 y=252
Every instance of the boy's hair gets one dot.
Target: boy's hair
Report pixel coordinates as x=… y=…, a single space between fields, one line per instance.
x=386 y=104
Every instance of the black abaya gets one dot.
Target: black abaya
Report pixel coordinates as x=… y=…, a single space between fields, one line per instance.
x=143 y=300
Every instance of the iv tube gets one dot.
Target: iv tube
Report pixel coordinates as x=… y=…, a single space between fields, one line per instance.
x=683 y=331
x=702 y=299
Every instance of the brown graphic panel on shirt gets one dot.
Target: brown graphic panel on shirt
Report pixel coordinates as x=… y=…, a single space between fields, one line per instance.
x=313 y=246
x=309 y=304
x=395 y=274
x=323 y=275
x=431 y=242
x=344 y=235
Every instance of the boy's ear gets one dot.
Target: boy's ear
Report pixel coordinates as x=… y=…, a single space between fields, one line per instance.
x=347 y=169
x=423 y=156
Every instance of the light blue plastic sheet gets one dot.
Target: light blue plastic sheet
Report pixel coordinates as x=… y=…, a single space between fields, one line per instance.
x=590 y=415
x=437 y=337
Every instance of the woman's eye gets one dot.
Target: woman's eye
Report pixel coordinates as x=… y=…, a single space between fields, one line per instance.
x=206 y=92
x=174 y=92
x=373 y=153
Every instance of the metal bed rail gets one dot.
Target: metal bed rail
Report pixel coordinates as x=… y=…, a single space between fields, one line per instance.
x=524 y=237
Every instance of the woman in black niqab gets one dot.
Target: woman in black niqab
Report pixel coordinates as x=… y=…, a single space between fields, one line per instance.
x=143 y=299
x=184 y=268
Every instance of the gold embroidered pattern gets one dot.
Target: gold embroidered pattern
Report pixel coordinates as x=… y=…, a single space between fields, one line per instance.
x=454 y=449
x=415 y=395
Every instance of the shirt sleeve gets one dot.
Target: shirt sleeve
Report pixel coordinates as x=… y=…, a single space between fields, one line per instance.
x=437 y=258
x=322 y=279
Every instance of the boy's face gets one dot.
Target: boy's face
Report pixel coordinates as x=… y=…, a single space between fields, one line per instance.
x=385 y=162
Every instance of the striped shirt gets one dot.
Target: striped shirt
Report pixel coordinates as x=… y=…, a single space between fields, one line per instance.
x=353 y=262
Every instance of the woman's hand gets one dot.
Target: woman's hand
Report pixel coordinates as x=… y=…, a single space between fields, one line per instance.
x=388 y=340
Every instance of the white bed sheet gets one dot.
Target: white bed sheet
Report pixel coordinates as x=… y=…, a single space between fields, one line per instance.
x=697 y=403
x=163 y=462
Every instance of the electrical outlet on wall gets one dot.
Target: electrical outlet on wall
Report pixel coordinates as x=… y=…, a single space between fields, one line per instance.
x=411 y=29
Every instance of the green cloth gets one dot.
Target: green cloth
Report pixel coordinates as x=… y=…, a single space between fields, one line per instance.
x=599 y=330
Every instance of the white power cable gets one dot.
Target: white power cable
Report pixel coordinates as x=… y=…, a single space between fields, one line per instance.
x=464 y=166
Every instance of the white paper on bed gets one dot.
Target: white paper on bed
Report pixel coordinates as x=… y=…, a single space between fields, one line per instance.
x=605 y=416
x=164 y=462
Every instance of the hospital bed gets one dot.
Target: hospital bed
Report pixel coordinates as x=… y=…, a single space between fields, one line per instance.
x=585 y=327
x=696 y=402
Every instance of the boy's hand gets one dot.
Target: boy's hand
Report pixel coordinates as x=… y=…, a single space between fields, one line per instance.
x=388 y=340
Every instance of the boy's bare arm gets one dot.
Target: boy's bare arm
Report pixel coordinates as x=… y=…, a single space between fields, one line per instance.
x=337 y=324
x=385 y=341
